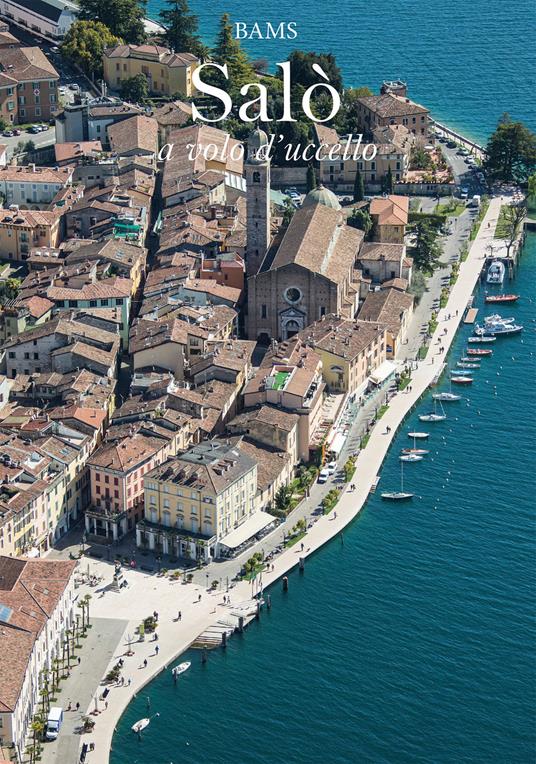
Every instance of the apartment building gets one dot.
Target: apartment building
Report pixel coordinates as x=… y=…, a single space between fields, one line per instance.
x=392 y=109
x=28 y=84
x=22 y=230
x=167 y=73
x=33 y=186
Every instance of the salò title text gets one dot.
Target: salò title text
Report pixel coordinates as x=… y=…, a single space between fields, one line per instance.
x=257 y=108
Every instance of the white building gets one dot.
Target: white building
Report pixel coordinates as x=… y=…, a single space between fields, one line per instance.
x=33 y=186
x=36 y=609
x=49 y=18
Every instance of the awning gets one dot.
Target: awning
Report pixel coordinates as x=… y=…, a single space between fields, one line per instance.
x=255 y=523
x=337 y=443
x=383 y=371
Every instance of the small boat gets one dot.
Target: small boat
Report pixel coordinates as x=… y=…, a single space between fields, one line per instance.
x=481 y=338
x=462 y=380
x=411 y=458
x=448 y=397
x=490 y=298
x=181 y=668
x=140 y=725
x=418 y=451
x=496 y=272
x=467 y=365
x=468 y=359
x=495 y=325
x=479 y=351
x=398 y=495
x=418 y=435
x=461 y=372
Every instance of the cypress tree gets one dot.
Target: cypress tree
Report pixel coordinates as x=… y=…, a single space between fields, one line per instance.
x=228 y=51
x=359 y=187
x=311 y=178
x=181 y=27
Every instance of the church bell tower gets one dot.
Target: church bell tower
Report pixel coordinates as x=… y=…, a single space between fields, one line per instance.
x=257 y=168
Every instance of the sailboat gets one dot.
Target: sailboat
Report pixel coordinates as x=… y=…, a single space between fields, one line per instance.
x=447 y=396
x=398 y=495
x=433 y=416
x=419 y=435
x=415 y=450
x=411 y=457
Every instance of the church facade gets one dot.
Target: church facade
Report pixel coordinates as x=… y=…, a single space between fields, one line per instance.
x=312 y=273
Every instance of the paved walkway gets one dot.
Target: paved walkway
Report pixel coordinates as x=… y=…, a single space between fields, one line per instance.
x=81 y=686
x=168 y=597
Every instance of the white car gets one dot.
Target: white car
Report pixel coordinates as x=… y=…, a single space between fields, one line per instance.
x=323 y=475
x=331 y=467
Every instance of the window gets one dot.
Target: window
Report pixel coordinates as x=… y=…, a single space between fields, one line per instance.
x=11 y=105
x=37 y=111
x=12 y=354
x=26 y=356
x=119 y=301
x=36 y=356
x=264 y=312
x=93 y=303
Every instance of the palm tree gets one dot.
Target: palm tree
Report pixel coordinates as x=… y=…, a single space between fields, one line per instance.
x=37 y=727
x=87 y=600
x=83 y=609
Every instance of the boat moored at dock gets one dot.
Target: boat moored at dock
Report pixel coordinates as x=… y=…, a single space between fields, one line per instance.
x=482 y=352
x=496 y=272
x=501 y=298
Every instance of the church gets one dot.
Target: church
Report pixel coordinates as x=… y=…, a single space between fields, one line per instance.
x=311 y=273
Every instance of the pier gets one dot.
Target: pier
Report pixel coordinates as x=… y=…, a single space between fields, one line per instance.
x=470 y=316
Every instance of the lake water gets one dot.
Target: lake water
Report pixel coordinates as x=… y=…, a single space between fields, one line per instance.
x=467 y=62
x=413 y=641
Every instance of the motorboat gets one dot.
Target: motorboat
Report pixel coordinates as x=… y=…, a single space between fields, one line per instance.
x=418 y=451
x=398 y=495
x=479 y=351
x=419 y=435
x=461 y=372
x=496 y=326
x=496 y=272
x=468 y=359
x=448 y=397
x=480 y=338
x=181 y=668
x=467 y=365
x=140 y=725
x=501 y=298
x=411 y=458
x=462 y=380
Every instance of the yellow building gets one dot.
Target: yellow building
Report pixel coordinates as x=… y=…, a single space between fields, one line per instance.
x=193 y=502
x=22 y=230
x=167 y=73
x=350 y=350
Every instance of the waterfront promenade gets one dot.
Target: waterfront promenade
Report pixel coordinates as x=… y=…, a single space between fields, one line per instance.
x=169 y=597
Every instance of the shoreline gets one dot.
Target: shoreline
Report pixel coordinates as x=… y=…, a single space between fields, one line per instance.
x=368 y=466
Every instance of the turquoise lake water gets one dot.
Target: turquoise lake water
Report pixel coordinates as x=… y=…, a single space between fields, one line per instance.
x=411 y=642
x=468 y=62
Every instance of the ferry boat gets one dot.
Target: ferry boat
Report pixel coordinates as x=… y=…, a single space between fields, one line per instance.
x=496 y=272
x=501 y=298
x=479 y=351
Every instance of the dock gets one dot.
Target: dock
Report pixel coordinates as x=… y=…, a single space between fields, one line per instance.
x=238 y=617
x=375 y=484
x=470 y=316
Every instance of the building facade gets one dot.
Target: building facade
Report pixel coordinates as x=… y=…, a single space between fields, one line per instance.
x=167 y=73
x=28 y=85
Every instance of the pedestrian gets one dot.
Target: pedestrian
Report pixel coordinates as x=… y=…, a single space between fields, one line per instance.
x=79 y=661
x=180 y=616
x=77 y=706
x=129 y=682
x=456 y=314
x=145 y=663
x=302 y=546
x=69 y=707
x=157 y=650
x=199 y=598
x=334 y=515
x=105 y=705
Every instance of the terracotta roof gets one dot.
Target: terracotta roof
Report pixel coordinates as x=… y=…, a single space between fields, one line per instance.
x=341 y=337
x=151 y=52
x=213 y=288
x=27 y=64
x=126 y=455
x=29 y=218
x=38 y=306
x=390 y=105
x=391 y=210
x=139 y=132
x=74 y=150
x=319 y=240
x=386 y=307
x=375 y=250
x=270 y=462
x=175 y=113
x=114 y=287
x=267 y=414
x=25 y=174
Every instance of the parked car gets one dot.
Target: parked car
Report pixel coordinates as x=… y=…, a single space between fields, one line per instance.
x=73 y=86
x=323 y=475
x=451 y=144
x=8 y=134
x=16 y=131
x=34 y=129
x=331 y=467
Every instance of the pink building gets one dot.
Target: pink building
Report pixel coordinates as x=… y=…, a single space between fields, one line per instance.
x=116 y=472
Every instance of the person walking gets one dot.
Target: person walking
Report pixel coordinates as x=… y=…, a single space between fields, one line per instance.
x=77 y=706
x=156 y=650
x=179 y=617
x=145 y=663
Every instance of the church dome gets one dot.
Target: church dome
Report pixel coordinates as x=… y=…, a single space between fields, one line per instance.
x=321 y=195
x=256 y=139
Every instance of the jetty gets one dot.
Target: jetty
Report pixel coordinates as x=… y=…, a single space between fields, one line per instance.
x=470 y=316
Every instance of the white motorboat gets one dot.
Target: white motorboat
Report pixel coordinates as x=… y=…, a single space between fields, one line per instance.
x=140 y=725
x=480 y=338
x=496 y=272
x=181 y=668
x=398 y=495
x=467 y=365
x=495 y=325
x=418 y=435
x=448 y=397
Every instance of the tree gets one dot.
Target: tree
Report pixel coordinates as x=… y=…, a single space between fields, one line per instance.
x=135 y=89
x=511 y=152
x=347 y=118
x=181 y=27
x=228 y=51
x=426 y=250
x=3 y=124
x=361 y=219
x=419 y=159
x=311 y=178
x=85 y=43
x=513 y=216
x=301 y=67
x=124 y=18
x=359 y=187
x=283 y=497
x=389 y=185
